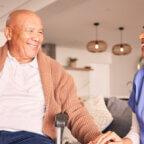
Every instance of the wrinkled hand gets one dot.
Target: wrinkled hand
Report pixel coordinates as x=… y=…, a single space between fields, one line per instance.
x=108 y=138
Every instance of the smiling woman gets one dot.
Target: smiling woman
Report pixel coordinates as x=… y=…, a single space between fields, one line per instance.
x=140 y=63
x=141 y=59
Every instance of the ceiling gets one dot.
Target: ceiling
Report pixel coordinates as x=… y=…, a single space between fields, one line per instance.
x=6 y=6
x=69 y=23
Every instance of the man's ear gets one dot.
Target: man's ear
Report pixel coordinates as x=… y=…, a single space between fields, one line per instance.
x=8 y=33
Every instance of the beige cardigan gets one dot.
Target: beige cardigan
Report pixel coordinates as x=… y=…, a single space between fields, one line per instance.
x=60 y=96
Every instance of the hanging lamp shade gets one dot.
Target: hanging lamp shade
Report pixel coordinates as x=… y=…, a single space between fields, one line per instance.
x=121 y=48
x=96 y=45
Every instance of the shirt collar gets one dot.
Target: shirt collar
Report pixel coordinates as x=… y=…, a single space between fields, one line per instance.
x=33 y=63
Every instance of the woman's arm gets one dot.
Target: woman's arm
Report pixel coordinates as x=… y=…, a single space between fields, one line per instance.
x=112 y=138
x=133 y=134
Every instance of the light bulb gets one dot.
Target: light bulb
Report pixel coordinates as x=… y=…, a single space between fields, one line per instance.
x=121 y=49
x=96 y=46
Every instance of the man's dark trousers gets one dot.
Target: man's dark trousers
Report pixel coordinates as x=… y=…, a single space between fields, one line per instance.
x=23 y=137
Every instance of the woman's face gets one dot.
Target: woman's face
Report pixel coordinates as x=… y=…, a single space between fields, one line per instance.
x=25 y=36
x=142 y=46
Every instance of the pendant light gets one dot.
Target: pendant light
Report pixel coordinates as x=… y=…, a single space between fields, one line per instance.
x=121 y=48
x=96 y=45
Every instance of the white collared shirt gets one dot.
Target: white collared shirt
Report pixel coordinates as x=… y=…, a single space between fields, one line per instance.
x=21 y=96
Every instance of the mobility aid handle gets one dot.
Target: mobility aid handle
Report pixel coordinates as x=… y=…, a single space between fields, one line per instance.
x=60 y=122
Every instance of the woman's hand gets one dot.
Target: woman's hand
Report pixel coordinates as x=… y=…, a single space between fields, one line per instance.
x=108 y=138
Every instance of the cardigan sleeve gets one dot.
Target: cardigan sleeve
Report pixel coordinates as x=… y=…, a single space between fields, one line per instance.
x=80 y=122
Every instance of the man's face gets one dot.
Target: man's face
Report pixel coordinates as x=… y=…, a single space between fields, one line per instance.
x=26 y=36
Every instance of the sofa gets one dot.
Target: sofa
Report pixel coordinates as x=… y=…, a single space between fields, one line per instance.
x=110 y=114
x=122 y=116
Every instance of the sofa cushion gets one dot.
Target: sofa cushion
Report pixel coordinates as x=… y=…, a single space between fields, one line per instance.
x=97 y=108
x=122 y=116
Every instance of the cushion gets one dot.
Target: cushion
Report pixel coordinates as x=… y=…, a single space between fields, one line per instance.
x=97 y=108
x=122 y=116
x=68 y=138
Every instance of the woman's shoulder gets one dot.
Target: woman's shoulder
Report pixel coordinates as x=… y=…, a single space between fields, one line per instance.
x=139 y=74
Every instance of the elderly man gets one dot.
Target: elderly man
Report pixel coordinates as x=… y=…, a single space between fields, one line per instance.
x=34 y=88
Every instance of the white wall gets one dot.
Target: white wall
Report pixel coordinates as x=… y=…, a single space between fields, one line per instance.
x=89 y=83
x=100 y=80
x=122 y=71
x=2 y=39
x=82 y=81
x=121 y=68
x=84 y=57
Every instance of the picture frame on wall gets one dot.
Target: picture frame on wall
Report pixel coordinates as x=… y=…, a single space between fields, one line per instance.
x=49 y=49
